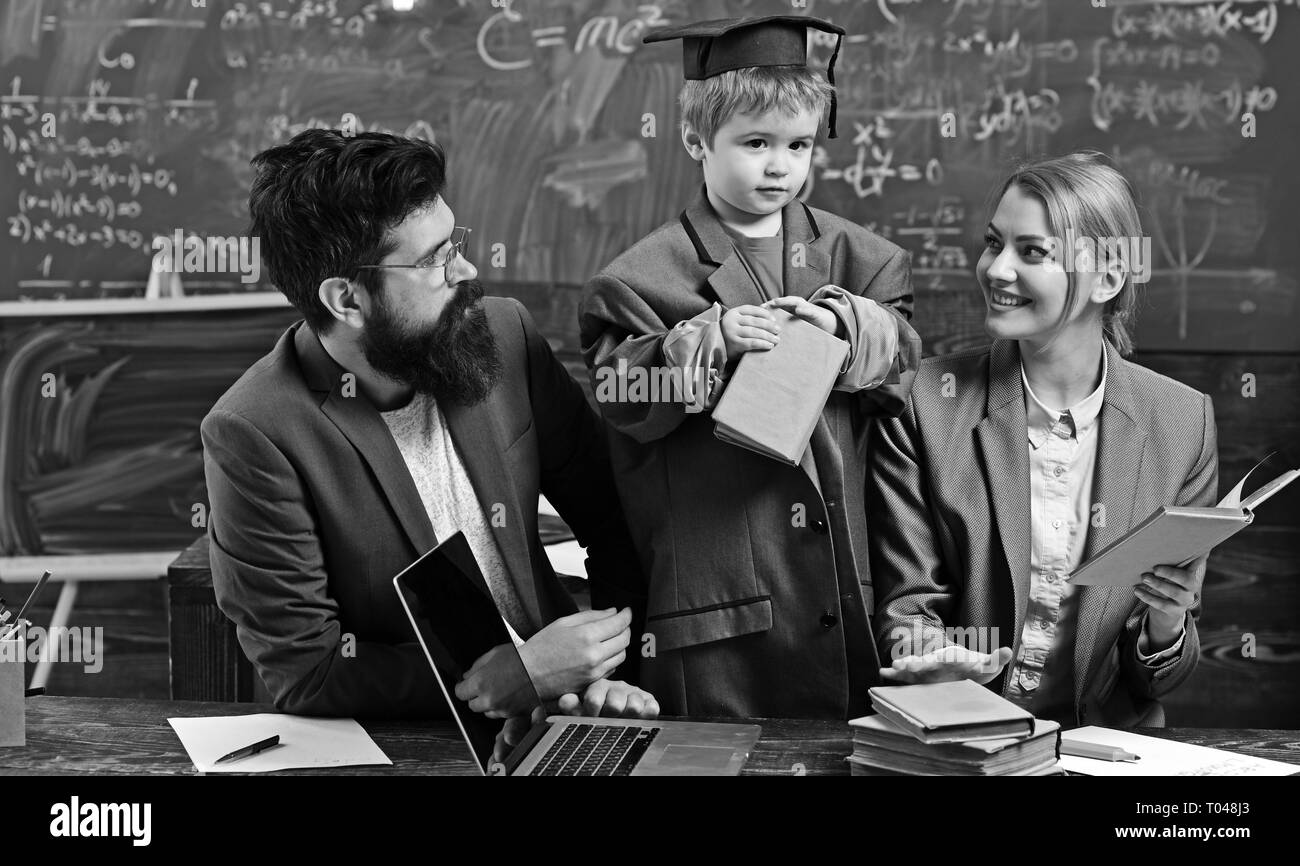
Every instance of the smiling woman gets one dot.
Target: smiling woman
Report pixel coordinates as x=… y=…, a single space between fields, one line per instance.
x=1069 y=445
x=1027 y=266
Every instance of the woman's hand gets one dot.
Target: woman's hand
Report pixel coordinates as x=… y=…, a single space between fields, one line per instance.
x=948 y=664
x=1168 y=593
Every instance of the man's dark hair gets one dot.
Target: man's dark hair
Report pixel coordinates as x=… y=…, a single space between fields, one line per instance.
x=323 y=204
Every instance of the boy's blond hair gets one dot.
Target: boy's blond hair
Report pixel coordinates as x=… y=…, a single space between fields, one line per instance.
x=707 y=105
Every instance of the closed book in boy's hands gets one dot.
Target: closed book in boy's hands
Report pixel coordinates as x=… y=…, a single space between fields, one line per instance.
x=773 y=401
x=951 y=712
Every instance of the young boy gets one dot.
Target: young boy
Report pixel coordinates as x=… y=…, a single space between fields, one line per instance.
x=760 y=597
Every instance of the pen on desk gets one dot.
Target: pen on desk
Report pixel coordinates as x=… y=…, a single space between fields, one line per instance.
x=1096 y=751
x=249 y=751
x=31 y=693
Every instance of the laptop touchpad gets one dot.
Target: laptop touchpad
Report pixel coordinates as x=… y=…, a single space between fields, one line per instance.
x=677 y=757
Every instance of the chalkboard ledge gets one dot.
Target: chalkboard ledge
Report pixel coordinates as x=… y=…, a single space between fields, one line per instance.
x=126 y=306
x=145 y=565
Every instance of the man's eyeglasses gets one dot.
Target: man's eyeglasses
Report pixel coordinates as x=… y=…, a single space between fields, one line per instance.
x=458 y=237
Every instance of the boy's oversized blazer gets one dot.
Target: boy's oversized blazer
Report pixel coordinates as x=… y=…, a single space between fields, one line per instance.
x=760 y=593
x=948 y=501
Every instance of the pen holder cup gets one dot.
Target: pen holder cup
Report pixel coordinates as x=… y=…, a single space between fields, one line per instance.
x=13 y=713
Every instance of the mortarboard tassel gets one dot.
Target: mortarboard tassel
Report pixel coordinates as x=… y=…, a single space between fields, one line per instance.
x=830 y=78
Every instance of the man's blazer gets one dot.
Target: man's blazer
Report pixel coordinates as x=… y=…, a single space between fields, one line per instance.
x=313 y=512
x=949 y=513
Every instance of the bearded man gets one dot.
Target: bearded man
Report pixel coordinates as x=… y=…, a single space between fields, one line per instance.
x=404 y=407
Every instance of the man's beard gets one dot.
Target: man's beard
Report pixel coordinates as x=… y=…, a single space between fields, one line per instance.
x=455 y=360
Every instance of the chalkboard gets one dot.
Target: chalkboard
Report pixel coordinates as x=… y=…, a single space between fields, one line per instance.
x=126 y=120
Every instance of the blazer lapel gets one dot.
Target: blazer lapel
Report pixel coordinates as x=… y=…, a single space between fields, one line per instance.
x=478 y=441
x=731 y=282
x=358 y=420
x=1003 y=441
x=803 y=271
x=1121 y=448
x=807 y=265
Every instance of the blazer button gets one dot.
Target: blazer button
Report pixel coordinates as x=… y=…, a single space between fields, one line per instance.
x=828 y=621
x=819 y=527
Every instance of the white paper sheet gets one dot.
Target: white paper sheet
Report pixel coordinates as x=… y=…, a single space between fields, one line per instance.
x=568 y=557
x=1162 y=757
x=304 y=742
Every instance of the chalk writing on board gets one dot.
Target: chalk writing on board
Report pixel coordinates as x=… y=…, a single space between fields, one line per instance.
x=1120 y=52
x=99 y=105
x=507 y=35
x=874 y=164
x=1162 y=21
x=1184 y=103
x=103 y=175
x=160 y=106
x=251 y=16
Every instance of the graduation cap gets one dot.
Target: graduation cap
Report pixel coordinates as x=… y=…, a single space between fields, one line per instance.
x=713 y=47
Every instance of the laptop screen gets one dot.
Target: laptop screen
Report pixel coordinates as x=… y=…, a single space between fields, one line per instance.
x=457 y=622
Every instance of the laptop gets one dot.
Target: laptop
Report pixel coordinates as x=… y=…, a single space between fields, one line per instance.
x=456 y=620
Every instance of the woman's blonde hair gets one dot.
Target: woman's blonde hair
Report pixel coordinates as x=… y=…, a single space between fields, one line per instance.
x=1086 y=197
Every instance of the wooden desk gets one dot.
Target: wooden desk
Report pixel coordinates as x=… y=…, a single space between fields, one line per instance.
x=207 y=663
x=109 y=736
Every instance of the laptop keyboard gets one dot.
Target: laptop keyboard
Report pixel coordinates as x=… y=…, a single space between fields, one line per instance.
x=596 y=750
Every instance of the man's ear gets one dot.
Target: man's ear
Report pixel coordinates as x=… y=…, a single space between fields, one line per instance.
x=1109 y=282
x=343 y=300
x=693 y=142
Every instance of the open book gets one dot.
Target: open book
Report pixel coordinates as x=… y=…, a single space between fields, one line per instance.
x=773 y=401
x=1176 y=536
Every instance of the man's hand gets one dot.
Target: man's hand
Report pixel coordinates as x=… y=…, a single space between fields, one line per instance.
x=496 y=685
x=611 y=698
x=1168 y=593
x=808 y=311
x=577 y=650
x=947 y=664
x=748 y=328
x=511 y=733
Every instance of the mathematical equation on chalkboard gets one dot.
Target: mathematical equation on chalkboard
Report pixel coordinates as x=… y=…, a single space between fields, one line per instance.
x=62 y=182
x=931 y=93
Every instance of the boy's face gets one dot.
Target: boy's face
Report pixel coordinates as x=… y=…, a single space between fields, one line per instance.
x=758 y=162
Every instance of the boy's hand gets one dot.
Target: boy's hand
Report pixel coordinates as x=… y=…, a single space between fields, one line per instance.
x=748 y=328
x=808 y=311
x=576 y=650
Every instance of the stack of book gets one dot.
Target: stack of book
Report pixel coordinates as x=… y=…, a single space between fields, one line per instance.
x=951 y=729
